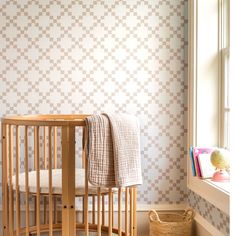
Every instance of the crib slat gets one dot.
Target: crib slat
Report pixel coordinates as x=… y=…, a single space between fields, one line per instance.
x=110 y=213
x=45 y=209
x=5 y=149
x=11 y=199
x=45 y=146
x=35 y=209
x=126 y=211
x=45 y=167
x=50 y=181
x=55 y=146
x=131 y=212
x=93 y=210
x=135 y=210
x=83 y=215
x=55 y=167
x=103 y=210
x=17 y=182
x=86 y=200
x=112 y=209
x=99 y=212
x=84 y=143
x=120 y=212
x=37 y=165
x=26 y=183
x=55 y=209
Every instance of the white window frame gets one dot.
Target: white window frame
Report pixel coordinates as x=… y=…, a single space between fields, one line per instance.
x=206 y=189
x=224 y=42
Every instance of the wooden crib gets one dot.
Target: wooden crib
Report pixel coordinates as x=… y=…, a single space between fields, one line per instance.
x=45 y=191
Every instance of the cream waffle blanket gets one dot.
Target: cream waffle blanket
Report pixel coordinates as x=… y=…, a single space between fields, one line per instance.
x=114 y=150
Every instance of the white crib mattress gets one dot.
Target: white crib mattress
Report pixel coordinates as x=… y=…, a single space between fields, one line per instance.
x=56 y=182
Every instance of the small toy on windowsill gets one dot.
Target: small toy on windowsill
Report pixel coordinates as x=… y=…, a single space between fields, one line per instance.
x=220 y=158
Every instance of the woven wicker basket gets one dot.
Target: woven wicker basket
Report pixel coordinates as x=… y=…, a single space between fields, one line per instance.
x=170 y=224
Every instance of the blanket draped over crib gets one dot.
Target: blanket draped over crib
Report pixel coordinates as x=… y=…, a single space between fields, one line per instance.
x=113 y=150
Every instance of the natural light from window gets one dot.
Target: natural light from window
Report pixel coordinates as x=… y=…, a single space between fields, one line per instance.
x=208 y=97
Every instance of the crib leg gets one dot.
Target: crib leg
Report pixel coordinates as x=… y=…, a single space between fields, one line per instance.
x=4 y=181
x=50 y=182
x=11 y=193
x=68 y=181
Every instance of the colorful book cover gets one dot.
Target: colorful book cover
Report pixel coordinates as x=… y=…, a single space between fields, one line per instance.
x=192 y=161
x=207 y=169
x=196 y=152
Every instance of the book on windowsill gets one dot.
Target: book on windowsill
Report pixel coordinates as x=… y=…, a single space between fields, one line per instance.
x=206 y=168
x=192 y=161
x=196 y=152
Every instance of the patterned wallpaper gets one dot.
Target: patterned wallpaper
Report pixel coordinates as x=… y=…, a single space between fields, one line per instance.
x=212 y=214
x=95 y=56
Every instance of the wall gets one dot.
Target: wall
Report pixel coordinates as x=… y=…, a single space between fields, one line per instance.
x=209 y=212
x=96 y=56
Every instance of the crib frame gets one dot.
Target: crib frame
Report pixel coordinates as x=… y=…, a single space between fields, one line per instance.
x=12 y=207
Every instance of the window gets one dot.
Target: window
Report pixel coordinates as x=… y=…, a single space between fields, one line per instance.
x=226 y=105
x=208 y=100
x=224 y=41
x=233 y=112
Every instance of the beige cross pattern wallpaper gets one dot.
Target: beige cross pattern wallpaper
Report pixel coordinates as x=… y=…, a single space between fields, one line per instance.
x=90 y=57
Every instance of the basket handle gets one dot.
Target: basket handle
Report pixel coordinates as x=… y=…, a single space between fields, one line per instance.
x=189 y=214
x=153 y=213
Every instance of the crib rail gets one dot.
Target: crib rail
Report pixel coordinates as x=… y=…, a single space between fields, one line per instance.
x=33 y=144
x=46 y=120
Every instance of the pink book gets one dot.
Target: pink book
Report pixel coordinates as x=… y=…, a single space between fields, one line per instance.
x=196 y=152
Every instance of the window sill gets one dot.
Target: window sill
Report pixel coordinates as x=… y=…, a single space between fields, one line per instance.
x=224 y=187
x=217 y=194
